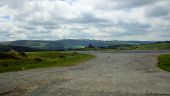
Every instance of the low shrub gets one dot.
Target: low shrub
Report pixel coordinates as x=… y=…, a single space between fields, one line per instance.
x=38 y=59
x=9 y=55
x=62 y=56
x=22 y=54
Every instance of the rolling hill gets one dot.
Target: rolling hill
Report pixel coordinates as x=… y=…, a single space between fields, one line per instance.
x=6 y=48
x=66 y=44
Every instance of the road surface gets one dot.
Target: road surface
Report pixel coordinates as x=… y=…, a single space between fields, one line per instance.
x=128 y=73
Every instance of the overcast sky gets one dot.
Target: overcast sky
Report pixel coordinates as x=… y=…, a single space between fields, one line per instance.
x=84 y=19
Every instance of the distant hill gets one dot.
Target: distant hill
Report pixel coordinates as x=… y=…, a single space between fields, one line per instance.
x=6 y=48
x=67 y=44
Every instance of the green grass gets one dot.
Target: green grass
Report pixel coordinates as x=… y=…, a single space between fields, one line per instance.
x=164 y=62
x=154 y=46
x=157 y=46
x=42 y=59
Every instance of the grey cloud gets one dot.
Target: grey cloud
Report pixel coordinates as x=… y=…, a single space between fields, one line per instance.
x=77 y=29
x=125 y=25
x=12 y=3
x=84 y=18
x=125 y=5
x=132 y=23
x=46 y=27
x=51 y=27
x=130 y=28
x=133 y=28
x=76 y=34
x=87 y=18
x=43 y=35
x=5 y=34
x=158 y=11
x=167 y=17
x=28 y=27
x=43 y=23
x=129 y=4
x=134 y=3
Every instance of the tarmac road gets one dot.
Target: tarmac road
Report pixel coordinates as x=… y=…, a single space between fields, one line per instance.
x=124 y=73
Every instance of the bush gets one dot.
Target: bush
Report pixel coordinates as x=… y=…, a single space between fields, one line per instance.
x=74 y=53
x=38 y=59
x=5 y=65
x=22 y=54
x=62 y=56
x=9 y=55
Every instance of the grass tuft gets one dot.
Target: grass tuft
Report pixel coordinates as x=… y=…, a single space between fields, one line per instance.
x=164 y=62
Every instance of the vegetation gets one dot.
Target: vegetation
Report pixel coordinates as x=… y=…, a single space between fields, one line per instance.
x=164 y=62
x=71 y=44
x=6 y=48
x=14 y=61
x=65 y=44
x=154 y=46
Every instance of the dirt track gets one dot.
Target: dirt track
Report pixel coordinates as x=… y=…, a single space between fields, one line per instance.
x=129 y=73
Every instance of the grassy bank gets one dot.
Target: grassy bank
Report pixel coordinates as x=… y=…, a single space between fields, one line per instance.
x=164 y=62
x=23 y=61
x=155 y=46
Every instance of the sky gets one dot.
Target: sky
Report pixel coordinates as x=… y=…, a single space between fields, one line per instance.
x=142 y=20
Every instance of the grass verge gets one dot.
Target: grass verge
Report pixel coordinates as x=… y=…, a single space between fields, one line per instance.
x=164 y=62
x=42 y=59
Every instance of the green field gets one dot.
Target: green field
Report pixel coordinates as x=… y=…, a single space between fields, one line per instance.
x=156 y=46
x=153 y=46
x=15 y=61
x=164 y=62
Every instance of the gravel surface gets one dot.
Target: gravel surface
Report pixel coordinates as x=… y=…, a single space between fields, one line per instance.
x=123 y=73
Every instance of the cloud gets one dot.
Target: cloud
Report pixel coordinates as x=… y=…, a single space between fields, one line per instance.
x=91 y=19
x=12 y=3
x=134 y=3
x=158 y=11
x=87 y=18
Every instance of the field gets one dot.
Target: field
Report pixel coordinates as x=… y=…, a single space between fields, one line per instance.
x=156 y=46
x=14 y=61
x=164 y=62
x=153 y=46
